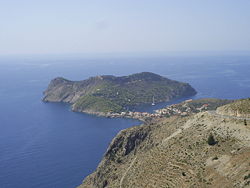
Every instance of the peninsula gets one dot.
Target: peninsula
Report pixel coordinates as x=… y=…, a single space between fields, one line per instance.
x=196 y=143
x=107 y=95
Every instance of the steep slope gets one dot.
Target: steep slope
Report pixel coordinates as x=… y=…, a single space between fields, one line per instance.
x=115 y=94
x=175 y=152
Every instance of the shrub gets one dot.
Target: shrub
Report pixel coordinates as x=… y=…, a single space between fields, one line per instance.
x=246 y=177
x=211 y=141
x=215 y=158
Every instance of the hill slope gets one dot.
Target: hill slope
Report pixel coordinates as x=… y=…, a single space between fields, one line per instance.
x=241 y=108
x=175 y=152
x=115 y=94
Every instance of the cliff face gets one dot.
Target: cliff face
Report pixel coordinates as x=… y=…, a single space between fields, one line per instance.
x=62 y=90
x=175 y=152
x=115 y=94
x=122 y=147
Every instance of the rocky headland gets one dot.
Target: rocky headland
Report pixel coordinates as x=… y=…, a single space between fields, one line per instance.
x=199 y=150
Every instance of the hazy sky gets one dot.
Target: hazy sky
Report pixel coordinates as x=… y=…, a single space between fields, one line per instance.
x=100 y=26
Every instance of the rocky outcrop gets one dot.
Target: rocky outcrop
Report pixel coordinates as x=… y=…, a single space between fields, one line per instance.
x=126 y=141
x=119 y=153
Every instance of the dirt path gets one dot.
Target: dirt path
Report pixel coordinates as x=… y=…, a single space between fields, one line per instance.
x=178 y=131
x=214 y=113
x=124 y=175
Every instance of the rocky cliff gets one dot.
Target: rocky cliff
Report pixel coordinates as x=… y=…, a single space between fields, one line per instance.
x=175 y=152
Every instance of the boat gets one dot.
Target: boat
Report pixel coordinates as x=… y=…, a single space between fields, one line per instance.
x=153 y=103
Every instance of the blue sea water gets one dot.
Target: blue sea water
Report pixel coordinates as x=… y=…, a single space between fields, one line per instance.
x=45 y=145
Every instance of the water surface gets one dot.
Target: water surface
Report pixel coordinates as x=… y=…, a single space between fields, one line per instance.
x=46 y=145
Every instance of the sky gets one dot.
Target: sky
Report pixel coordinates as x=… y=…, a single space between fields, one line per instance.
x=123 y=26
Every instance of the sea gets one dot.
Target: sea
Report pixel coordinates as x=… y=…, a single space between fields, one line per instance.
x=46 y=145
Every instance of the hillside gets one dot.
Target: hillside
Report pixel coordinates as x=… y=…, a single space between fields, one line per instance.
x=177 y=152
x=192 y=106
x=115 y=94
x=241 y=108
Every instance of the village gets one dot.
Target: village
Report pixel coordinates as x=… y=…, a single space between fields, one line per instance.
x=182 y=109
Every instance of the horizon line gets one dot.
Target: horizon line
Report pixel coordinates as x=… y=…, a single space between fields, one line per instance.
x=130 y=54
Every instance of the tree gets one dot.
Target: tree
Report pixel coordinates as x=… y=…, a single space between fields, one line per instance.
x=245 y=122
x=211 y=141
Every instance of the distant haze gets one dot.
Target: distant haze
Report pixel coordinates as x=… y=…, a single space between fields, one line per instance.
x=123 y=26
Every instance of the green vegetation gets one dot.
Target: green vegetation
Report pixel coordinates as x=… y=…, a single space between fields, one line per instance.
x=215 y=158
x=211 y=141
x=116 y=94
x=209 y=103
x=213 y=103
x=96 y=104
x=247 y=177
x=129 y=91
x=245 y=122
x=139 y=92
